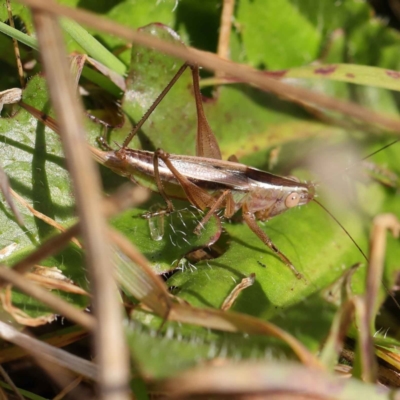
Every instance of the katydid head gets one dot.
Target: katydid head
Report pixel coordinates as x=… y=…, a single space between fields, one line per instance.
x=299 y=196
x=291 y=193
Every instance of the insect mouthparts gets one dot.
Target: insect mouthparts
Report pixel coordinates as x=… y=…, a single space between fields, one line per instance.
x=311 y=190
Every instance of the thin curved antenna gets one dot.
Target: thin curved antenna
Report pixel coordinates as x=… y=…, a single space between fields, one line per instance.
x=379 y=150
x=343 y=228
x=362 y=159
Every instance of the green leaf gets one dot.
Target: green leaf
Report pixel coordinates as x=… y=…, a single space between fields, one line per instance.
x=144 y=84
x=92 y=47
x=171 y=243
x=18 y=10
x=33 y=160
x=351 y=73
x=20 y=36
x=268 y=28
x=148 y=347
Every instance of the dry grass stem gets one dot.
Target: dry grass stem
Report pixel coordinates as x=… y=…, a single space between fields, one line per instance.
x=68 y=389
x=113 y=365
x=237 y=322
x=214 y=63
x=51 y=283
x=16 y=47
x=40 y=349
x=42 y=216
x=233 y=295
x=50 y=247
x=125 y=197
x=248 y=380
x=381 y=224
x=225 y=28
x=61 y=340
x=154 y=292
x=52 y=301
x=64 y=378
x=7 y=192
x=7 y=378
x=20 y=316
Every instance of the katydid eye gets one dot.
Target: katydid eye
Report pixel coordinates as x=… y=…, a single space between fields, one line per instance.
x=292 y=200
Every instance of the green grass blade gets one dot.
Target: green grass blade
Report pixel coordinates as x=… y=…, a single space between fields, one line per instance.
x=20 y=36
x=93 y=48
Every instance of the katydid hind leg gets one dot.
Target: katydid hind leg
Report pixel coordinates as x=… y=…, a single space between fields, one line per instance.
x=250 y=220
x=206 y=142
x=157 y=101
x=197 y=196
x=159 y=183
x=215 y=206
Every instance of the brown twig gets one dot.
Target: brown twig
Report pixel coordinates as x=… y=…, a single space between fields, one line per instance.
x=225 y=29
x=16 y=47
x=246 y=380
x=42 y=216
x=234 y=294
x=7 y=378
x=40 y=349
x=215 y=63
x=381 y=224
x=48 y=248
x=54 y=302
x=62 y=339
x=7 y=192
x=68 y=388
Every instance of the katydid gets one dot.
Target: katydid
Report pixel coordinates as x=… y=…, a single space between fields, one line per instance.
x=205 y=180
x=208 y=182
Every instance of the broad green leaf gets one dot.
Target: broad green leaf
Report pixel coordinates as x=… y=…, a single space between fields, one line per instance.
x=269 y=43
x=33 y=160
x=292 y=33
x=92 y=46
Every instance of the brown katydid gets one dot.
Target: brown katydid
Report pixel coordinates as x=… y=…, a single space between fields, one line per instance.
x=208 y=182
x=205 y=180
